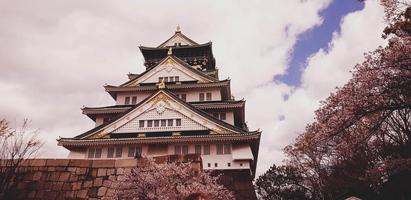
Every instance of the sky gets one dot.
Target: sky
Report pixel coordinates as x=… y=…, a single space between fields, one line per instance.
x=283 y=57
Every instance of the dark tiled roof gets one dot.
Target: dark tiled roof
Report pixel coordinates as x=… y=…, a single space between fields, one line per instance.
x=191 y=107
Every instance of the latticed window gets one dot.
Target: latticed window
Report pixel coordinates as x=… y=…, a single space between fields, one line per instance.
x=163 y=122
x=169 y=122
x=201 y=96
x=94 y=153
x=220 y=150
x=227 y=149
x=177 y=149
x=156 y=123
x=110 y=152
x=197 y=149
x=149 y=123
x=208 y=96
x=141 y=123
x=176 y=78
x=206 y=149
x=135 y=151
x=178 y=122
x=127 y=101
x=184 y=149
x=134 y=100
x=119 y=151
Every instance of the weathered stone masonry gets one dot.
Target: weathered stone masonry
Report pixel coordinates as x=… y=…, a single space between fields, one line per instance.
x=95 y=179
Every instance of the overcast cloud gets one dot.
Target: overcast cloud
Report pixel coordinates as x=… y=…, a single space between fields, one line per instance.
x=55 y=56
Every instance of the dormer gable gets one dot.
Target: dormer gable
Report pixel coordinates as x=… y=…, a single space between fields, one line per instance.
x=178 y=39
x=162 y=106
x=172 y=69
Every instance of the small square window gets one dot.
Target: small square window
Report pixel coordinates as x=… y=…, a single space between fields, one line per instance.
x=215 y=164
x=176 y=78
x=170 y=122
x=209 y=164
x=222 y=116
x=134 y=100
x=208 y=96
x=160 y=79
x=228 y=164
x=171 y=79
x=163 y=122
x=156 y=123
x=178 y=122
x=149 y=123
x=201 y=96
x=165 y=79
x=241 y=164
x=141 y=123
x=127 y=101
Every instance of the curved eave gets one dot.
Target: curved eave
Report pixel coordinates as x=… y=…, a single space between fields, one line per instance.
x=144 y=48
x=70 y=142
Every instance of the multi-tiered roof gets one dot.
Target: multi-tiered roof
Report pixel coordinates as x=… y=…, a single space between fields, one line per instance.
x=195 y=62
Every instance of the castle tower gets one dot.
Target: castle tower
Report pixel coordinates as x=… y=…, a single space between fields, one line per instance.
x=178 y=105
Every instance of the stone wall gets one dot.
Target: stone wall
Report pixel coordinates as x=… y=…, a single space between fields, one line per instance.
x=93 y=179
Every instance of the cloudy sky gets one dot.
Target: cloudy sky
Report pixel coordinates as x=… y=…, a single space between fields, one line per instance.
x=283 y=57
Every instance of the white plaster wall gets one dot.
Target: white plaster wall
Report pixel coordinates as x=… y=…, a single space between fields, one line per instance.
x=229 y=118
x=140 y=97
x=194 y=95
x=99 y=121
x=167 y=72
x=213 y=158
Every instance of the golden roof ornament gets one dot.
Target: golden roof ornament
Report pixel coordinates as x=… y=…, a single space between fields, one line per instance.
x=162 y=84
x=178 y=28
x=170 y=51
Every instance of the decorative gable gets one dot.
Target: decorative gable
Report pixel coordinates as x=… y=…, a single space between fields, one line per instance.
x=161 y=106
x=179 y=39
x=169 y=68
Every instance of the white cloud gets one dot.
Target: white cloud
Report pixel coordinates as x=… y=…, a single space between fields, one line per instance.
x=56 y=56
x=360 y=33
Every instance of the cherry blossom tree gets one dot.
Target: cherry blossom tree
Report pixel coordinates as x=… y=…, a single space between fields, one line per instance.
x=360 y=141
x=173 y=181
x=16 y=145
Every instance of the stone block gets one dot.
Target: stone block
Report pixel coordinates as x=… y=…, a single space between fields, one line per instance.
x=73 y=178
x=53 y=176
x=93 y=172
x=112 y=178
x=103 y=163
x=64 y=176
x=110 y=172
x=107 y=183
x=92 y=192
x=101 y=191
x=98 y=182
x=57 y=162
x=80 y=163
x=102 y=172
x=77 y=186
x=69 y=194
x=81 y=194
x=81 y=171
x=38 y=162
x=126 y=163
x=57 y=186
x=72 y=169
x=67 y=186
x=87 y=184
